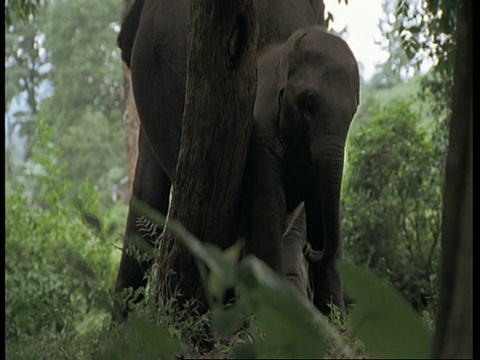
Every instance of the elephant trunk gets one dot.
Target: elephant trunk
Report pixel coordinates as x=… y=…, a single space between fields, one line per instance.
x=323 y=204
x=323 y=222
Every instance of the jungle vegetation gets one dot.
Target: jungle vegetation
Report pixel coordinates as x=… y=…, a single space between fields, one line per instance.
x=65 y=153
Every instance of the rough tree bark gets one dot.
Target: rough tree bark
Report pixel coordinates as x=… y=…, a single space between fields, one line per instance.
x=454 y=326
x=217 y=124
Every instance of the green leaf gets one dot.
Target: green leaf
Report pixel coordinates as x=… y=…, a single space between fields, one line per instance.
x=245 y=351
x=222 y=265
x=156 y=341
x=225 y=321
x=232 y=254
x=289 y=324
x=382 y=319
x=218 y=283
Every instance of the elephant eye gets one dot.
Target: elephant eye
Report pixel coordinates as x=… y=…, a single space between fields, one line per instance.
x=308 y=105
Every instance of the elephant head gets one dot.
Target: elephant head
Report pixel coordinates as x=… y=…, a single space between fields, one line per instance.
x=307 y=95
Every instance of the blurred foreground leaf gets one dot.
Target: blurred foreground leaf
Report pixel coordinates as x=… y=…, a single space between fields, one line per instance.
x=292 y=327
x=289 y=326
x=226 y=321
x=143 y=340
x=382 y=319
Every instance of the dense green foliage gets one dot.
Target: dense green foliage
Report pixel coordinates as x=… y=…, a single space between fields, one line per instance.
x=62 y=231
x=66 y=64
x=25 y=61
x=21 y=10
x=86 y=76
x=58 y=269
x=419 y=33
x=269 y=319
x=392 y=199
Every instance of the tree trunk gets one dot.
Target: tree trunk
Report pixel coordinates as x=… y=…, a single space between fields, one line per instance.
x=454 y=326
x=131 y=122
x=217 y=124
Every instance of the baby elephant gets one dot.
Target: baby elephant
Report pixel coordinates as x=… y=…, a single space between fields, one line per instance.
x=307 y=95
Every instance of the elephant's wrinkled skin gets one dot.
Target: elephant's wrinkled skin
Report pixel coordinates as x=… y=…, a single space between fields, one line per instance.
x=307 y=94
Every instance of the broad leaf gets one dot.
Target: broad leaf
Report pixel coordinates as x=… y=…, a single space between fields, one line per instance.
x=289 y=324
x=382 y=319
x=227 y=320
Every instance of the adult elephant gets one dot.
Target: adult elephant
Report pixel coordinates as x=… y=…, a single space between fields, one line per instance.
x=306 y=97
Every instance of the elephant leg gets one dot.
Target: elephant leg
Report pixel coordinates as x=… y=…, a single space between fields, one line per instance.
x=295 y=266
x=267 y=206
x=151 y=185
x=327 y=287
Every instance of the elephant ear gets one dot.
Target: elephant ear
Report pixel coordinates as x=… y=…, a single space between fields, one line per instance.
x=128 y=30
x=273 y=66
x=269 y=87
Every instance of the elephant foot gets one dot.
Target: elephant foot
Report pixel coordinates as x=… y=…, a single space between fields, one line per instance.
x=328 y=290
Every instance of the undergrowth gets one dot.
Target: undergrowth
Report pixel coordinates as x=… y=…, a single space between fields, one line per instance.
x=61 y=263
